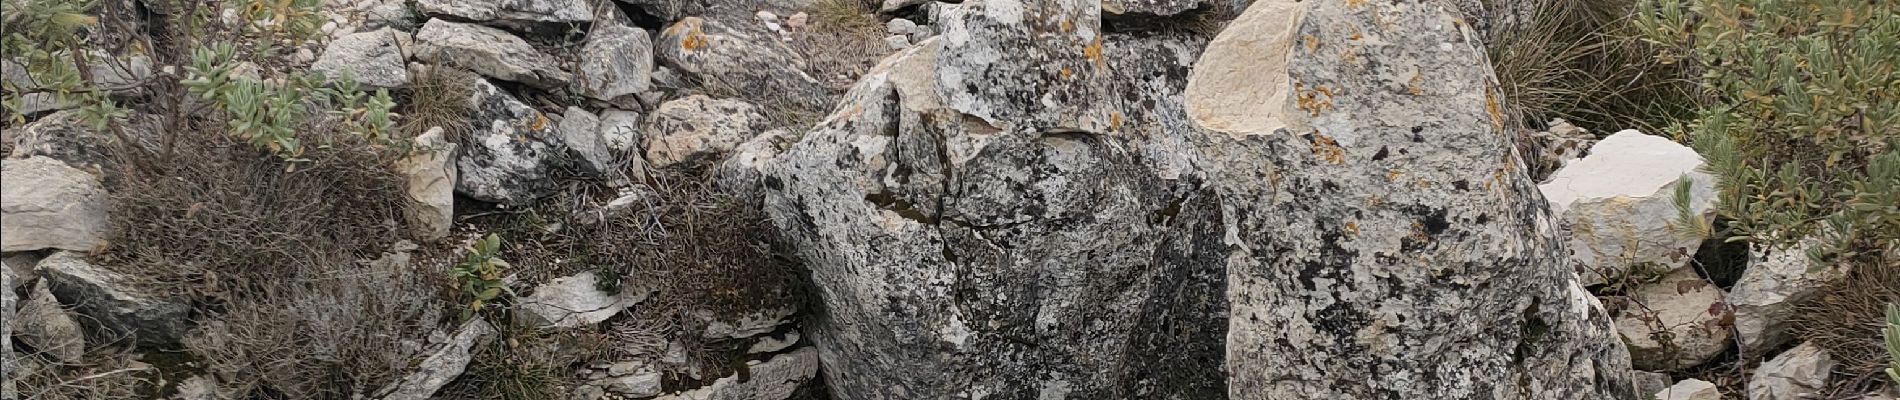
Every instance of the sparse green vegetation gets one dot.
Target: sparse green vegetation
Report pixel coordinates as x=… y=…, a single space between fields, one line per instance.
x=479 y=275
x=1892 y=333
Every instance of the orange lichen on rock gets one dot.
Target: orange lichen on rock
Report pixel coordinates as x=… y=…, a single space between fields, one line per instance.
x=1094 y=53
x=1327 y=149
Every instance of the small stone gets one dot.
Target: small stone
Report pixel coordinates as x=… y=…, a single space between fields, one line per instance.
x=772 y=379
x=1619 y=204
x=490 y=52
x=899 y=26
x=577 y=300
x=1649 y=382
x=429 y=181
x=442 y=366
x=773 y=344
x=114 y=301
x=699 y=128
x=374 y=59
x=1682 y=309
x=589 y=392
x=797 y=21
x=1690 y=389
x=1776 y=280
x=616 y=60
x=1799 y=373
x=897 y=42
x=767 y=16
x=47 y=204
x=636 y=386
x=508 y=156
x=46 y=327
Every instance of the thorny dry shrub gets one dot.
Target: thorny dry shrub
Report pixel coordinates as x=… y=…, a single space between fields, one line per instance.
x=1846 y=320
x=269 y=252
x=700 y=249
x=1580 y=60
x=107 y=374
x=345 y=332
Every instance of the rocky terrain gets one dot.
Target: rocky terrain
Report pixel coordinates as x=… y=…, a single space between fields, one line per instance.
x=839 y=199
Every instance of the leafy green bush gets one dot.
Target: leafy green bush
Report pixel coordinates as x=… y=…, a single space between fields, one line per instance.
x=479 y=275
x=1803 y=130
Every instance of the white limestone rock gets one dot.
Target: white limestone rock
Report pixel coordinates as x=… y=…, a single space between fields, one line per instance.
x=1618 y=204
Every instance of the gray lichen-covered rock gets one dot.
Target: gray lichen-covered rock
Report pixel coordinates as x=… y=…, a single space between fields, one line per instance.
x=519 y=13
x=699 y=128
x=1799 y=373
x=107 y=71
x=115 y=301
x=374 y=58
x=773 y=379
x=750 y=64
x=1764 y=298
x=1649 y=382
x=617 y=60
x=1386 y=240
x=45 y=326
x=1674 y=323
x=507 y=156
x=46 y=204
x=744 y=170
x=429 y=181
x=580 y=134
x=969 y=242
x=488 y=51
x=442 y=366
x=1619 y=205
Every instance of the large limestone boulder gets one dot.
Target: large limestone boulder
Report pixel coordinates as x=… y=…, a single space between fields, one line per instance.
x=1690 y=389
x=488 y=51
x=773 y=379
x=509 y=153
x=969 y=239
x=46 y=327
x=1776 y=280
x=699 y=128
x=1386 y=241
x=518 y=13
x=442 y=366
x=46 y=204
x=1673 y=323
x=116 y=301
x=374 y=58
x=1799 y=373
x=1619 y=205
x=750 y=64
x=616 y=60
x=429 y=181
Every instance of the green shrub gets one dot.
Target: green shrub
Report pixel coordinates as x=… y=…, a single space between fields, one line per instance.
x=479 y=275
x=1803 y=130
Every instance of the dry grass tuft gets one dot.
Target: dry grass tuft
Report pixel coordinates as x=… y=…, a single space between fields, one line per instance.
x=438 y=97
x=107 y=374
x=1846 y=320
x=1580 y=60
x=530 y=365
x=844 y=40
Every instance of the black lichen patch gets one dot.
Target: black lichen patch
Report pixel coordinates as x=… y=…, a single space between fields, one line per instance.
x=1530 y=330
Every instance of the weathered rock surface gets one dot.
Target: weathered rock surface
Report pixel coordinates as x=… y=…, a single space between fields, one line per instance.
x=580 y=134
x=747 y=63
x=429 y=180
x=46 y=327
x=1673 y=323
x=374 y=58
x=617 y=60
x=1764 y=298
x=1551 y=149
x=442 y=366
x=1799 y=373
x=774 y=379
x=114 y=301
x=488 y=51
x=575 y=301
x=1619 y=205
x=107 y=72
x=1151 y=8
x=698 y=128
x=1690 y=389
x=744 y=170
x=47 y=204
x=66 y=137
x=744 y=326
x=522 y=13
x=969 y=241
x=1649 y=382
x=510 y=151
x=1381 y=223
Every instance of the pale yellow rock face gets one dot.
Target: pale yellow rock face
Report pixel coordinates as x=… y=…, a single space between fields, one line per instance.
x=1240 y=85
